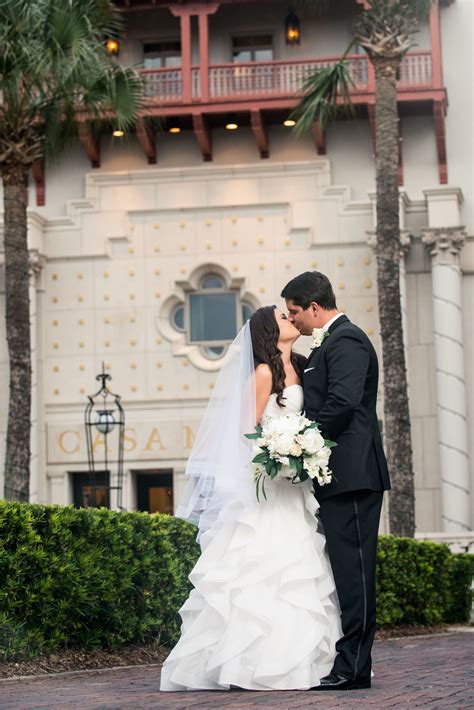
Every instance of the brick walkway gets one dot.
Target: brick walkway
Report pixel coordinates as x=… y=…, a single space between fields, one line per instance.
x=422 y=671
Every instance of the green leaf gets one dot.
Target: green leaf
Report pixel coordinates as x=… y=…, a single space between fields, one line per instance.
x=261 y=458
x=252 y=436
x=293 y=462
x=321 y=94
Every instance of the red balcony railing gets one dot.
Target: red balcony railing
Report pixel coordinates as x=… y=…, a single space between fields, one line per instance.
x=276 y=79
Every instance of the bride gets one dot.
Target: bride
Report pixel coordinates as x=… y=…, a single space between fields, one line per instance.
x=263 y=614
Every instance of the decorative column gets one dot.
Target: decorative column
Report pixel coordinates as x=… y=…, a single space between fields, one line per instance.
x=184 y=13
x=203 y=21
x=444 y=245
x=36 y=264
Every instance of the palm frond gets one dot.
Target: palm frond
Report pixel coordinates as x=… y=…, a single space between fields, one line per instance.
x=53 y=64
x=322 y=93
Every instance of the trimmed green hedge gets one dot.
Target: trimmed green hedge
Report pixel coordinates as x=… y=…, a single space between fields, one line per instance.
x=97 y=578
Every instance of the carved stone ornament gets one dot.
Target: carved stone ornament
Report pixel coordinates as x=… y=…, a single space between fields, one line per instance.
x=36 y=262
x=444 y=244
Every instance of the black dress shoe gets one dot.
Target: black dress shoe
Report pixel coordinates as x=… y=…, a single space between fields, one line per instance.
x=333 y=681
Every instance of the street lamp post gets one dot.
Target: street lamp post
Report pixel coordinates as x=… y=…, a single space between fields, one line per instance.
x=104 y=414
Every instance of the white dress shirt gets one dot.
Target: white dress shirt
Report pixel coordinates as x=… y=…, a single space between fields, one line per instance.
x=330 y=322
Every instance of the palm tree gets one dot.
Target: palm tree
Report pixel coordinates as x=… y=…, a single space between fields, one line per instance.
x=53 y=66
x=385 y=31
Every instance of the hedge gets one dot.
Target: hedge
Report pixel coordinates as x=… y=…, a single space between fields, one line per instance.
x=89 y=578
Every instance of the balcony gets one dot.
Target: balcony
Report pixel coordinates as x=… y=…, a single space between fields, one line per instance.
x=262 y=93
x=273 y=84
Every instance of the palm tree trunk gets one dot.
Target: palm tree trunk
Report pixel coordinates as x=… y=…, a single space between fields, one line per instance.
x=396 y=412
x=17 y=458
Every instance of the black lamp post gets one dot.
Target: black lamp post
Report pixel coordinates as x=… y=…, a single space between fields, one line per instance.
x=292 y=28
x=104 y=414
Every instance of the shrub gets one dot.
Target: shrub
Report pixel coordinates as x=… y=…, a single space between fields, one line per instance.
x=412 y=581
x=89 y=578
x=459 y=604
x=86 y=578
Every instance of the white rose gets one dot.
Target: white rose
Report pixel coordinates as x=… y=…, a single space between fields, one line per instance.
x=283 y=444
x=295 y=449
x=312 y=441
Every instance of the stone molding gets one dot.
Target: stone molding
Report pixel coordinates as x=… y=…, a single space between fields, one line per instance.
x=444 y=244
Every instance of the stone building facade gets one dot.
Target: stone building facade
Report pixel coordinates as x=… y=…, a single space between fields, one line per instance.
x=128 y=257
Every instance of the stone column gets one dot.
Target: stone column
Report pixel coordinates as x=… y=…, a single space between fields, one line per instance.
x=444 y=245
x=36 y=264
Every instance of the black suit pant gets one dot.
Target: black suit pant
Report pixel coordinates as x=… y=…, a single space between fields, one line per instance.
x=351 y=522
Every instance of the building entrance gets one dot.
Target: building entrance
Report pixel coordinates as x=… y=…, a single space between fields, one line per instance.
x=155 y=491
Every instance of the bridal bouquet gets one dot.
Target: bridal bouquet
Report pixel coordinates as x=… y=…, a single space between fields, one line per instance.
x=293 y=441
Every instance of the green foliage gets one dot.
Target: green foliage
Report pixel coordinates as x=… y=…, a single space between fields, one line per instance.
x=461 y=572
x=421 y=583
x=321 y=93
x=96 y=578
x=53 y=64
x=90 y=578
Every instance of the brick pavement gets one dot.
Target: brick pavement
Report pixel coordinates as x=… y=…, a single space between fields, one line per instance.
x=422 y=671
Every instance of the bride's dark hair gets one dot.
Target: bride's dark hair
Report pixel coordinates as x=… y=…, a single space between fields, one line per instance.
x=265 y=332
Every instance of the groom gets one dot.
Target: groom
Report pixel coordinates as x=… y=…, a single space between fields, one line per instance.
x=340 y=393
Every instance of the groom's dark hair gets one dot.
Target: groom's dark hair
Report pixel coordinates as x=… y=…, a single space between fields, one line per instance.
x=312 y=286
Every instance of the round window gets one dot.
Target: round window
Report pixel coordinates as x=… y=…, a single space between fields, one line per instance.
x=177 y=318
x=214 y=352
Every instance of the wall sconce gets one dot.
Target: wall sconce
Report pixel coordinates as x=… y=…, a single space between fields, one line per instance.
x=292 y=28
x=112 y=46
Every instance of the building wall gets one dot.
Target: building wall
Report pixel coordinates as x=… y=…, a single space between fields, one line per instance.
x=103 y=221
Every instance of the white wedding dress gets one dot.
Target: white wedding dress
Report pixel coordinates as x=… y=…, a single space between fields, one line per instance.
x=263 y=614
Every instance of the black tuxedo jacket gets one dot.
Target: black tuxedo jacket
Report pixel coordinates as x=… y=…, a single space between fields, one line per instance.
x=340 y=382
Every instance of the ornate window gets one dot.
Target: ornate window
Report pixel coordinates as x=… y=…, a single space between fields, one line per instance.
x=205 y=321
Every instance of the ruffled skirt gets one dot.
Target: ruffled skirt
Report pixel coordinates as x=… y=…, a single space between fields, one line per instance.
x=263 y=614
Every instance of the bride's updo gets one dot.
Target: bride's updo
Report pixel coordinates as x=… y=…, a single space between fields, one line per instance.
x=265 y=333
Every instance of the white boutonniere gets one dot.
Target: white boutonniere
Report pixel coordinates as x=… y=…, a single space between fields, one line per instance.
x=319 y=335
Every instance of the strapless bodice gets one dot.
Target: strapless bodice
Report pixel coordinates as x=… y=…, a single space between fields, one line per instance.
x=293 y=402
